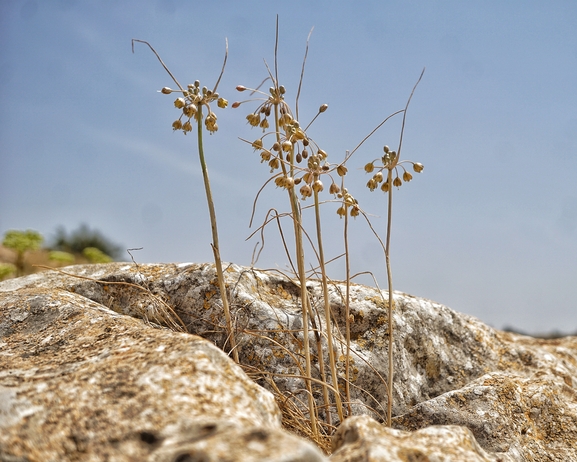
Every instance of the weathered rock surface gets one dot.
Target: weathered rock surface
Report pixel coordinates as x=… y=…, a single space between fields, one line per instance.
x=514 y=394
x=81 y=382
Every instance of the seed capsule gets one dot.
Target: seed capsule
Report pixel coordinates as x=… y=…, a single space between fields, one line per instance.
x=341 y=211
x=318 y=186
x=286 y=146
x=187 y=127
x=407 y=177
x=417 y=167
x=222 y=103
x=397 y=182
x=176 y=125
x=306 y=191
x=334 y=189
x=341 y=170
x=386 y=149
x=378 y=177
x=369 y=167
x=179 y=103
x=257 y=144
x=189 y=110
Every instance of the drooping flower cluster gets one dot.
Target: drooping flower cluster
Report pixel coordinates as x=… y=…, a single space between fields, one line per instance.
x=291 y=146
x=390 y=163
x=191 y=102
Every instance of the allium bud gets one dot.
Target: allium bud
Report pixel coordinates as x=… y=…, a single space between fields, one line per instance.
x=289 y=182
x=386 y=149
x=222 y=103
x=265 y=155
x=179 y=103
x=369 y=167
x=372 y=184
x=166 y=91
x=341 y=170
x=323 y=108
x=298 y=180
x=299 y=158
x=407 y=177
x=274 y=164
x=276 y=147
x=318 y=186
x=417 y=167
x=306 y=191
x=282 y=89
x=236 y=104
x=240 y=88
x=355 y=210
x=286 y=145
x=322 y=154
x=305 y=153
x=257 y=144
x=189 y=110
x=397 y=182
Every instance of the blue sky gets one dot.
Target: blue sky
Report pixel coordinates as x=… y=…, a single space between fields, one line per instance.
x=489 y=228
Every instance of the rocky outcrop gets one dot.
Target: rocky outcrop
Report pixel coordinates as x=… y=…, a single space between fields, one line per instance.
x=502 y=396
x=81 y=382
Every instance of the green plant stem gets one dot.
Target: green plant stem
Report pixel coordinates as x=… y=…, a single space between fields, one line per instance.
x=215 y=245
x=327 y=306
x=391 y=300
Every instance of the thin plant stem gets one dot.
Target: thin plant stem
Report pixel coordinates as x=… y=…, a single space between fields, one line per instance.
x=215 y=244
x=327 y=306
x=390 y=305
x=347 y=314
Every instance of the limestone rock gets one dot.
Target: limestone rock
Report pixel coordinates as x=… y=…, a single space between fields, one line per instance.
x=514 y=394
x=81 y=382
x=360 y=438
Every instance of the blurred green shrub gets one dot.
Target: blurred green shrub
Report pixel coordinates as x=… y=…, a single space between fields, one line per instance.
x=95 y=255
x=84 y=237
x=22 y=242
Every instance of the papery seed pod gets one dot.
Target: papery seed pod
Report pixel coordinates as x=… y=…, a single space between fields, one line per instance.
x=355 y=210
x=189 y=110
x=369 y=167
x=299 y=134
x=323 y=108
x=417 y=167
x=177 y=125
x=341 y=170
x=289 y=182
x=212 y=128
x=179 y=103
x=286 y=145
x=341 y=211
x=222 y=103
x=385 y=186
x=211 y=117
x=371 y=184
x=397 y=182
x=274 y=164
x=308 y=177
x=407 y=177
x=386 y=148
x=257 y=144
x=318 y=186
x=334 y=189
x=265 y=155
x=299 y=158
x=187 y=127
x=306 y=191
x=166 y=91
x=349 y=200
x=264 y=124
x=279 y=181
x=322 y=154
x=305 y=153
x=378 y=177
